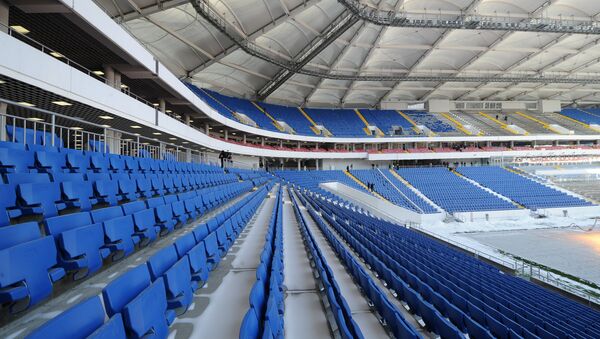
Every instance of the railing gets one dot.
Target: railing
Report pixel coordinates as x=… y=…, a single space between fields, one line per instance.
x=61 y=57
x=522 y=268
x=85 y=135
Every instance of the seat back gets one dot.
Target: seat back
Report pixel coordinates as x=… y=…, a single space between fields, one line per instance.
x=78 y=321
x=125 y=288
x=161 y=261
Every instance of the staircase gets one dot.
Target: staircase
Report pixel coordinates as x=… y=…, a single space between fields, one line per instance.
x=416 y=191
x=365 y=186
x=273 y=120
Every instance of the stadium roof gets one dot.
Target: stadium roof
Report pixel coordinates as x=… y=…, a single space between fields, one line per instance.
x=364 y=52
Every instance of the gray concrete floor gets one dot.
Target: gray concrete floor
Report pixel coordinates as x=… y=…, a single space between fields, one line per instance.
x=304 y=315
x=219 y=307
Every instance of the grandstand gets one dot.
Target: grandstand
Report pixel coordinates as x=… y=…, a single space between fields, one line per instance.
x=299 y=169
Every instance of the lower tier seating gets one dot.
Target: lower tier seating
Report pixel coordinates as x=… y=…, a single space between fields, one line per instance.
x=391 y=191
x=346 y=326
x=264 y=318
x=144 y=301
x=525 y=191
x=452 y=291
x=452 y=193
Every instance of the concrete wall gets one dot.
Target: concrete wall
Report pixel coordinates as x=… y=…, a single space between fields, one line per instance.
x=379 y=207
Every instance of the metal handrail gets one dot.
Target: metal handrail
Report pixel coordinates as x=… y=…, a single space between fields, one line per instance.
x=45 y=49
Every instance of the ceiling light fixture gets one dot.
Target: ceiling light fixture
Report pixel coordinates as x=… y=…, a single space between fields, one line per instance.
x=136 y=126
x=25 y=103
x=172 y=138
x=62 y=103
x=124 y=86
x=185 y=142
x=168 y=111
x=157 y=133
x=57 y=55
x=77 y=128
x=98 y=73
x=2 y=82
x=35 y=119
x=19 y=29
x=105 y=126
x=105 y=117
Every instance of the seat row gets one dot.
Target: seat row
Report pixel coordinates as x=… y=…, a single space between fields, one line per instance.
x=78 y=243
x=388 y=312
x=47 y=194
x=264 y=318
x=346 y=327
x=477 y=298
x=18 y=157
x=144 y=301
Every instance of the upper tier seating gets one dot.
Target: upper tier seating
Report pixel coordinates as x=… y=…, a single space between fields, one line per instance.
x=386 y=119
x=291 y=115
x=246 y=107
x=92 y=206
x=340 y=122
x=430 y=121
x=588 y=116
x=452 y=193
x=453 y=291
x=524 y=191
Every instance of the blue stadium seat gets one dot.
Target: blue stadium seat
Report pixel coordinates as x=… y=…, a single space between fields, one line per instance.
x=121 y=235
x=84 y=320
x=81 y=242
x=125 y=288
x=147 y=315
x=27 y=266
x=8 y=204
x=145 y=223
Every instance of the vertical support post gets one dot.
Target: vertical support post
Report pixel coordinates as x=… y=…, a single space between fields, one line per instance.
x=188 y=119
x=4 y=11
x=162 y=105
x=105 y=145
x=226 y=135
x=244 y=138
x=109 y=75
x=3 y=110
x=53 y=129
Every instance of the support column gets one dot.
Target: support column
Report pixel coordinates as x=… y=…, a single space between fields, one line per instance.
x=4 y=10
x=162 y=105
x=262 y=141
x=117 y=81
x=298 y=144
x=299 y=164
x=281 y=143
x=512 y=143
x=353 y=147
x=244 y=138
x=3 y=109
x=109 y=75
x=226 y=135
x=187 y=119
x=317 y=147
x=161 y=150
x=207 y=128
